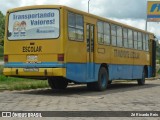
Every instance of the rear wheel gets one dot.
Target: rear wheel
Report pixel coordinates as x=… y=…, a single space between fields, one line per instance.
x=142 y=80
x=102 y=82
x=57 y=82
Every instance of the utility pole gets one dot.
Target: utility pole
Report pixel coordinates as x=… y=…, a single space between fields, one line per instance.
x=88 y=5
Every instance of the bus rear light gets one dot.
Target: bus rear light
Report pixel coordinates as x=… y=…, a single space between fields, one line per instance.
x=5 y=58
x=60 y=57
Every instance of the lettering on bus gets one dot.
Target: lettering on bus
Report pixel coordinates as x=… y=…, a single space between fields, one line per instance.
x=32 y=49
x=126 y=54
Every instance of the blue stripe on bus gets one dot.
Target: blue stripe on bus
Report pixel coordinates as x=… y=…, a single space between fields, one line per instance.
x=40 y=65
x=125 y=72
x=81 y=72
x=88 y=72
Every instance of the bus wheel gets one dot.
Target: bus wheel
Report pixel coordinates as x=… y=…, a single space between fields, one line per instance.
x=102 y=79
x=57 y=83
x=142 y=80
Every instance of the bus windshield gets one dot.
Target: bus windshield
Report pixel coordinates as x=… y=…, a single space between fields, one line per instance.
x=33 y=24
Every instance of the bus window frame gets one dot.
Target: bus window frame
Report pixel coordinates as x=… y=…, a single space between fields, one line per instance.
x=102 y=43
x=106 y=34
x=130 y=30
x=119 y=36
x=8 y=14
x=140 y=41
x=76 y=40
x=134 y=31
x=147 y=49
x=103 y=33
x=125 y=38
x=115 y=26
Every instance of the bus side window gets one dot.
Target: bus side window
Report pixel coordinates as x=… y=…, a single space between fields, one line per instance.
x=144 y=41
x=130 y=38
x=135 y=40
x=114 y=35
x=71 y=26
x=139 y=41
x=75 y=27
x=147 y=43
x=125 y=37
x=79 y=27
x=107 y=33
x=119 y=36
x=100 y=32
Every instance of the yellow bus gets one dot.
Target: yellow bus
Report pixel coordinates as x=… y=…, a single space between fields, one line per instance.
x=64 y=45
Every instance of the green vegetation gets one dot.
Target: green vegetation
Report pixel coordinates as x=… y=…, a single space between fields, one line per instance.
x=158 y=52
x=2 y=28
x=158 y=71
x=1 y=53
x=1 y=70
x=10 y=83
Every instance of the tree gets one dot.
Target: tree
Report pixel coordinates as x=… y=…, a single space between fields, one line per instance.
x=2 y=27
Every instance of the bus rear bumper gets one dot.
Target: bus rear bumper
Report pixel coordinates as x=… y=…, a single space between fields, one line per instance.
x=46 y=72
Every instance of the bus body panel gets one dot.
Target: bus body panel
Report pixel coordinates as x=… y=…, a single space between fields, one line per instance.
x=45 y=51
x=77 y=66
x=40 y=72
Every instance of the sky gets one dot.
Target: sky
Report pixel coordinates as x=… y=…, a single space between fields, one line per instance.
x=131 y=12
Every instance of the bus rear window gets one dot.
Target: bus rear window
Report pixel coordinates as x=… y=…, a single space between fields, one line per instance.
x=33 y=24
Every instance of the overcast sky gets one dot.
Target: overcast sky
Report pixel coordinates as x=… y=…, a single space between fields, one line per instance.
x=131 y=12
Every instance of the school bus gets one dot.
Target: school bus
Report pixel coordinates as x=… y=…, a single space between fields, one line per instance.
x=64 y=45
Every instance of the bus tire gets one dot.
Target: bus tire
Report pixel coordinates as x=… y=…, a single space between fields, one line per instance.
x=142 y=80
x=57 y=83
x=102 y=82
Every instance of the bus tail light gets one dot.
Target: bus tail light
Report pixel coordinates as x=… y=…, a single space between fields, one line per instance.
x=5 y=58
x=60 y=57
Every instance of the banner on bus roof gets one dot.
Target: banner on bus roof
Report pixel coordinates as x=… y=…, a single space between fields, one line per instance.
x=153 y=11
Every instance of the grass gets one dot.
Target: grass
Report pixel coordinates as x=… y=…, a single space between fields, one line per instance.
x=11 y=83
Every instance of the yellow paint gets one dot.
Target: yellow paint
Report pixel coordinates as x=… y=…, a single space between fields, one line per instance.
x=153 y=8
x=153 y=11
x=74 y=51
x=41 y=72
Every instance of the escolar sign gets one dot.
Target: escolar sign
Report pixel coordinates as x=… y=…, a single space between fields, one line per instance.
x=153 y=11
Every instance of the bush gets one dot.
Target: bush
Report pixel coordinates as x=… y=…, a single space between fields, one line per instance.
x=1 y=70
